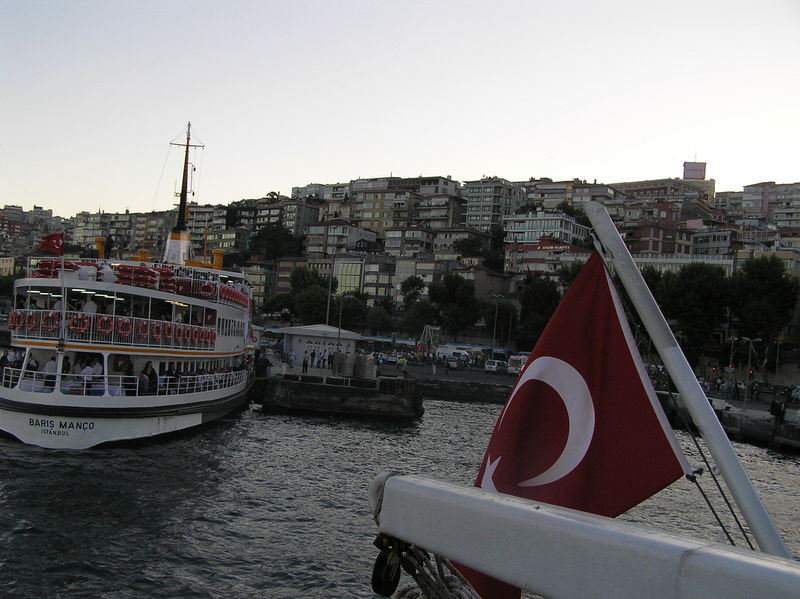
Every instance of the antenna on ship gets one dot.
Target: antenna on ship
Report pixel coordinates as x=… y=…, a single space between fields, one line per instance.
x=178 y=248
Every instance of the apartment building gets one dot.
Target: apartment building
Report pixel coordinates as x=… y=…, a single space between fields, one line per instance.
x=408 y=242
x=533 y=226
x=335 y=236
x=444 y=240
x=381 y=209
x=488 y=200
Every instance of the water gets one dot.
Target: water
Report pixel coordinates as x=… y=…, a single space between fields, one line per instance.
x=261 y=506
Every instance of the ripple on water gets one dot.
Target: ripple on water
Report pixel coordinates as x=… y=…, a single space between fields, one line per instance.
x=263 y=506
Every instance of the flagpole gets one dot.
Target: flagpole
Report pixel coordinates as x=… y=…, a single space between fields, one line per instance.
x=685 y=380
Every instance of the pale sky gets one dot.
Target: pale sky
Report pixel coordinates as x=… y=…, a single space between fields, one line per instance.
x=310 y=91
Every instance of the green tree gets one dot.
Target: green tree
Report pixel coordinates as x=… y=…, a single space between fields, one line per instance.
x=764 y=297
x=468 y=247
x=494 y=257
x=310 y=304
x=275 y=241
x=538 y=300
x=411 y=288
x=309 y=293
x=455 y=298
x=568 y=272
x=696 y=298
x=419 y=314
x=379 y=320
x=278 y=302
x=6 y=285
x=500 y=318
x=301 y=278
x=353 y=311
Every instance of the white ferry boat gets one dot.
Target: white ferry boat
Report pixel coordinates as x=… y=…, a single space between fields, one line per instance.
x=108 y=350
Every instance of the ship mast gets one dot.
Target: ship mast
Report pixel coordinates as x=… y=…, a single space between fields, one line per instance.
x=180 y=225
x=178 y=248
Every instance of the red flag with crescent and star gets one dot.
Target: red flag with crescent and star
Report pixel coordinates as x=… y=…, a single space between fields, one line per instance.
x=54 y=242
x=582 y=427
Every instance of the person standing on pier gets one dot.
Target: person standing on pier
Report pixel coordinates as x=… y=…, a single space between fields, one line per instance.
x=305 y=362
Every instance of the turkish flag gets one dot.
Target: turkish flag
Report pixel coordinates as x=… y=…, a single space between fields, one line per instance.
x=583 y=427
x=54 y=242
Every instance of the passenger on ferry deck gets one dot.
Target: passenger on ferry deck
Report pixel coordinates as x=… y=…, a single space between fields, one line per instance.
x=144 y=383
x=50 y=372
x=89 y=307
x=152 y=377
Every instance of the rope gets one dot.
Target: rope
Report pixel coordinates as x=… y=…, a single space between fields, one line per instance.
x=714 y=477
x=439 y=581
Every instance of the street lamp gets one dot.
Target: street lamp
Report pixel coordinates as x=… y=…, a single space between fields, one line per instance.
x=494 y=329
x=330 y=285
x=749 y=357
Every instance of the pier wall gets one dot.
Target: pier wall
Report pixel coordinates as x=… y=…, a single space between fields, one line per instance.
x=384 y=397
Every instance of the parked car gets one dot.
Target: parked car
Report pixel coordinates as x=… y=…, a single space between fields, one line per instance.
x=495 y=366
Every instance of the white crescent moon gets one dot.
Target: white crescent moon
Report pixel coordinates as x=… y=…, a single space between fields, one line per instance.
x=574 y=392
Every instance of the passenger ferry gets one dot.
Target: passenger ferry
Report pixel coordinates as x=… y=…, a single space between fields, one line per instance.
x=108 y=350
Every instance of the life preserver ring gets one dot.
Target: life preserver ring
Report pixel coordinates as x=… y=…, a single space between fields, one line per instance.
x=142 y=328
x=167 y=331
x=155 y=331
x=124 y=328
x=76 y=328
x=213 y=337
x=206 y=289
x=51 y=321
x=195 y=335
x=12 y=320
x=178 y=332
x=32 y=321
x=104 y=325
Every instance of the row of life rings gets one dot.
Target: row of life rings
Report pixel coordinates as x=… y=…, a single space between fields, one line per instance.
x=78 y=324
x=19 y=319
x=104 y=325
x=233 y=295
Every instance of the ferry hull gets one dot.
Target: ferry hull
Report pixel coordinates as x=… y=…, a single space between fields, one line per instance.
x=89 y=429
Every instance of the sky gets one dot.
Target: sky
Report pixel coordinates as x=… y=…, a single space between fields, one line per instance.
x=287 y=93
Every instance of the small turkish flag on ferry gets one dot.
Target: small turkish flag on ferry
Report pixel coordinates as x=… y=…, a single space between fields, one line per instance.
x=583 y=427
x=54 y=242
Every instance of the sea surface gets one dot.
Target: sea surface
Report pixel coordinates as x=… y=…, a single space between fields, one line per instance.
x=260 y=505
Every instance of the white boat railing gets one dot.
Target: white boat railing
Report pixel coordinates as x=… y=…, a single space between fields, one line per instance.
x=116 y=385
x=180 y=280
x=108 y=329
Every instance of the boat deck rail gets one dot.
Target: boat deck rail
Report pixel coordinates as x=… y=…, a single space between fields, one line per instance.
x=182 y=280
x=107 y=329
x=117 y=384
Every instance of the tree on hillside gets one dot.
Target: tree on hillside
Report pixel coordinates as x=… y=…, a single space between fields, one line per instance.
x=411 y=288
x=455 y=298
x=500 y=318
x=470 y=247
x=353 y=311
x=301 y=277
x=568 y=272
x=310 y=304
x=419 y=314
x=764 y=297
x=275 y=241
x=538 y=300
x=379 y=320
x=695 y=298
